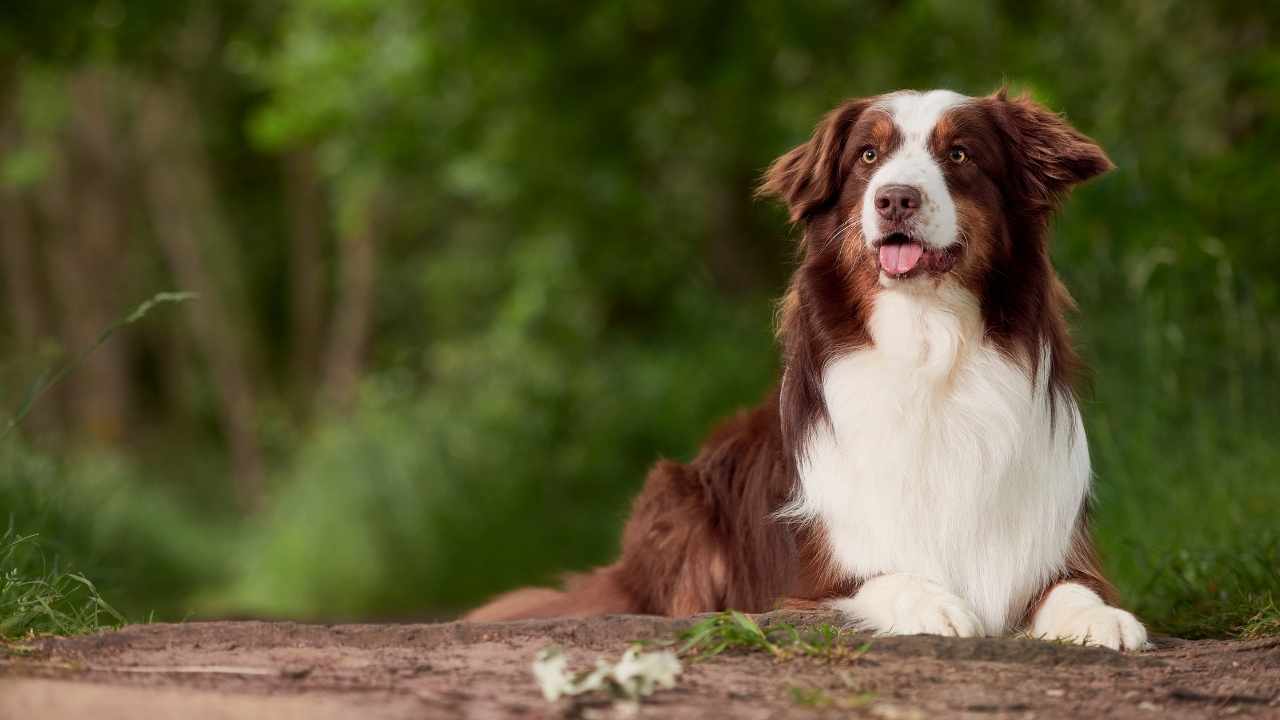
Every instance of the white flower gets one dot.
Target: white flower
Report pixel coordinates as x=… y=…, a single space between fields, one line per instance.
x=635 y=675
x=638 y=673
x=594 y=680
x=551 y=670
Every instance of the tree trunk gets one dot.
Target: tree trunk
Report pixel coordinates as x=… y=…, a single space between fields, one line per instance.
x=177 y=185
x=23 y=296
x=353 y=309
x=307 y=217
x=84 y=248
x=21 y=290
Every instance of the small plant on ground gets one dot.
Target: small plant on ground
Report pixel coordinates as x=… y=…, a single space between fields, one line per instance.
x=816 y=697
x=1264 y=623
x=809 y=696
x=733 y=630
x=37 y=597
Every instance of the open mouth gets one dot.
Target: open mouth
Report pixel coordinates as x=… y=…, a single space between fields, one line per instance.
x=902 y=256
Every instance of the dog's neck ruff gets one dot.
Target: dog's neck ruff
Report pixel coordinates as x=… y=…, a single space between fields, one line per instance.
x=939 y=457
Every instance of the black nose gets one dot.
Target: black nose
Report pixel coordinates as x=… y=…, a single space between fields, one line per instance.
x=897 y=202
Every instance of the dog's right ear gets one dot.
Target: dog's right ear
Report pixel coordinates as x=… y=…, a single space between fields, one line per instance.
x=809 y=177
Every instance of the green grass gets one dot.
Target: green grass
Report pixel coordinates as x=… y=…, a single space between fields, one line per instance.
x=1227 y=590
x=732 y=631
x=1265 y=622
x=809 y=697
x=37 y=596
x=815 y=697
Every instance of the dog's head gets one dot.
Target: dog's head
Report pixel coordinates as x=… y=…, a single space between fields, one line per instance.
x=916 y=186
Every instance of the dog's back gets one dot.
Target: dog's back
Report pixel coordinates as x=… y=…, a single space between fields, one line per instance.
x=702 y=536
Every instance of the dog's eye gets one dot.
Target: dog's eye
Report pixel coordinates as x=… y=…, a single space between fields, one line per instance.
x=958 y=155
x=869 y=155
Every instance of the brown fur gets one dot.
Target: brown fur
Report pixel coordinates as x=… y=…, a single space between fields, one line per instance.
x=702 y=535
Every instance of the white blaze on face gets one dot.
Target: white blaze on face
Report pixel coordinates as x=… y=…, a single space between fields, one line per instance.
x=911 y=163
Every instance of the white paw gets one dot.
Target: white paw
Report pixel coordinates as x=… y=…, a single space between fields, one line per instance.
x=1074 y=613
x=902 y=604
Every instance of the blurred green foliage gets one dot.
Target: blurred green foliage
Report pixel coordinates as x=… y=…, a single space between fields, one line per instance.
x=573 y=279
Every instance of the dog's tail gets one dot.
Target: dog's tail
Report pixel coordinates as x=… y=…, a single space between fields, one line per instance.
x=595 y=593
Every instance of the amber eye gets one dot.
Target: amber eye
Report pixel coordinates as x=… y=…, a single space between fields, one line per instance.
x=958 y=155
x=869 y=155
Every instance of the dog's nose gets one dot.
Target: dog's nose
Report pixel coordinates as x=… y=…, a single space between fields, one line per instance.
x=897 y=202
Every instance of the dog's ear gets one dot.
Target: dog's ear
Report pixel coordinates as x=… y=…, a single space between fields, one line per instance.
x=1051 y=156
x=809 y=177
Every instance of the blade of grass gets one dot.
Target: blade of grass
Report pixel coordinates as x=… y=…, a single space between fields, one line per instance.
x=36 y=597
x=48 y=379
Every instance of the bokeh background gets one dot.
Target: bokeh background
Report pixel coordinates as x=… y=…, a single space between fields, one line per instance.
x=466 y=269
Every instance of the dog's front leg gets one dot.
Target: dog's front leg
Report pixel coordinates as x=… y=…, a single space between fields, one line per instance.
x=902 y=604
x=1074 y=613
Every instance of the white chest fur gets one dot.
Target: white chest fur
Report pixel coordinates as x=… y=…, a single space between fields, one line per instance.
x=940 y=459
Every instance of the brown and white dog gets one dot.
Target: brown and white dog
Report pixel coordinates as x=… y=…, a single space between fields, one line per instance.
x=922 y=466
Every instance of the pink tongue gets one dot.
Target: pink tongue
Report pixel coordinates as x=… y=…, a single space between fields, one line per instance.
x=900 y=258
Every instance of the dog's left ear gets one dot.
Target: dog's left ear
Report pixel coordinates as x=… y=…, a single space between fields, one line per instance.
x=1053 y=156
x=809 y=177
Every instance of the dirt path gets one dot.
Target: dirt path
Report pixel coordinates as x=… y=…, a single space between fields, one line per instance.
x=285 y=670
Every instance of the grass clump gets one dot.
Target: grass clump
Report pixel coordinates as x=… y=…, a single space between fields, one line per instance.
x=38 y=598
x=809 y=696
x=735 y=631
x=816 y=697
x=1229 y=590
x=1264 y=623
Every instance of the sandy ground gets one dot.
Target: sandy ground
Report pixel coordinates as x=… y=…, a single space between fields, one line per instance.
x=238 y=670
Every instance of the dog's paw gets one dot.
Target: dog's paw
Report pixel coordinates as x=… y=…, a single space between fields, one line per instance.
x=903 y=604
x=1074 y=613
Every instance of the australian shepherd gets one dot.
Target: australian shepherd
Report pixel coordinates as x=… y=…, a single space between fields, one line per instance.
x=921 y=465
